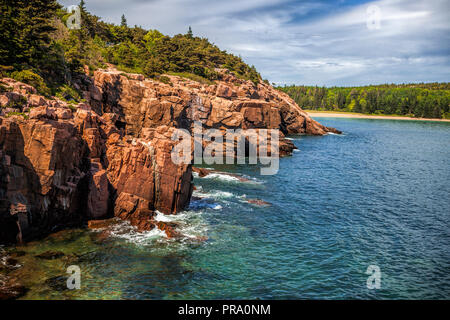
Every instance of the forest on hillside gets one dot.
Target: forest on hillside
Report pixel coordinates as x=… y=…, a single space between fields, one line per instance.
x=37 y=47
x=425 y=100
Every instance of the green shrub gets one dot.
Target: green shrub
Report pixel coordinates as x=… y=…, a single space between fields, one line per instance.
x=72 y=107
x=129 y=70
x=153 y=67
x=33 y=79
x=126 y=75
x=5 y=70
x=14 y=113
x=192 y=77
x=165 y=79
x=68 y=93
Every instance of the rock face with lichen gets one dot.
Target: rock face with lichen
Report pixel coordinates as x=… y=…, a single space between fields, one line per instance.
x=62 y=165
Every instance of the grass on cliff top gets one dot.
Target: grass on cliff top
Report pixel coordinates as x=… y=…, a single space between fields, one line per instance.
x=164 y=79
x=15 y=113
x=192 y=76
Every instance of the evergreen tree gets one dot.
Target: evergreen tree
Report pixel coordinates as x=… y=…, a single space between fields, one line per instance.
x=190 y=33
x=25 y=30
x=123 y=22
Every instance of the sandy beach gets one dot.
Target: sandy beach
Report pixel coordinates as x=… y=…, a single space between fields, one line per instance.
x=325 y=114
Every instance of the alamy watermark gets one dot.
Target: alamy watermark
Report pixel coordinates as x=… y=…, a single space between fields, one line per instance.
x=374 y=279
x=373 y=21
x=74 y=280
x=74 y=20
x=257 y=145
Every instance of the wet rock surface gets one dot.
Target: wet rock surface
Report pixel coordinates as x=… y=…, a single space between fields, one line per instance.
x=100 y=224
x=259 y=202
x=10 y=289
x=10 y=286
x=202 y=172
x=57 y=283
x=50 y=255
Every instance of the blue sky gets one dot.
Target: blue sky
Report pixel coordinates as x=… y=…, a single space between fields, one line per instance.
x=309 y=42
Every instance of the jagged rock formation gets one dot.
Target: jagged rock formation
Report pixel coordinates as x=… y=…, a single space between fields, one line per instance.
x=144 y=175
x=229 y=103
x=61 y=165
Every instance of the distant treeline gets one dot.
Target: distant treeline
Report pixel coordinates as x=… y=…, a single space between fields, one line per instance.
x=427 y=100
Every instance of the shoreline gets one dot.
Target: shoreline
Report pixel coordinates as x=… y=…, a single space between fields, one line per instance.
x=337 y=114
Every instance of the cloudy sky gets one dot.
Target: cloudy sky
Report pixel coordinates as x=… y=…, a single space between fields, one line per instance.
x=341 y=42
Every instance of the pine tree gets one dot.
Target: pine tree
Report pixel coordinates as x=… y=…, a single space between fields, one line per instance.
x=189 y=33
x=123 y=22
x=25 y=28
x=78 y=42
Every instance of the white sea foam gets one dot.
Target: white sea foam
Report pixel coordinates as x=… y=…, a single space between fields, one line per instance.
x=252 y=180
x=179 y=218
x=216 y=194
x=295 y=138
x=195 y=232
x=222 y=177
x=335 y=134
x=163 y=217
x=124 y=230
x=190 y=224
x=226 y=177
x=204 y=203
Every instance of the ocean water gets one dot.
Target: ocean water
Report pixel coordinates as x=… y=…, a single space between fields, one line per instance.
x=377 y=195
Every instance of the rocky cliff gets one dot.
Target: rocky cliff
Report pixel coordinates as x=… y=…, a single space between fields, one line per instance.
x=63 y=164
x=228 y=103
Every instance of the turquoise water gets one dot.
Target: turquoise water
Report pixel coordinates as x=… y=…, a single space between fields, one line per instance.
x=377 y=195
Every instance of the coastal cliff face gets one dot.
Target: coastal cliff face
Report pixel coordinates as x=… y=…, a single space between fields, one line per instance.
x=62 y=165
x=228 y=103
